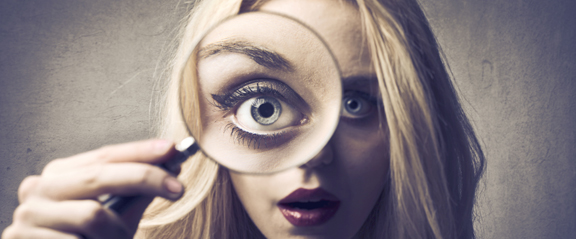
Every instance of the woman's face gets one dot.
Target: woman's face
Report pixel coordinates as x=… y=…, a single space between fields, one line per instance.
x=332 y=195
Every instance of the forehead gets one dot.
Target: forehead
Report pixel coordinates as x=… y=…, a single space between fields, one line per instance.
x=338 y=23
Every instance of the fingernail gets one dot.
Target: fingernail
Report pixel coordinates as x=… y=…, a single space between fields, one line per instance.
x=173 y=186
x=161 y=146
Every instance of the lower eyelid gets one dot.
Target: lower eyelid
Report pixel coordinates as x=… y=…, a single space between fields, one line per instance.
x=258 y=141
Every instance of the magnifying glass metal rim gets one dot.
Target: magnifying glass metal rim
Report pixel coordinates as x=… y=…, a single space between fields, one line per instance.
x=194 y=50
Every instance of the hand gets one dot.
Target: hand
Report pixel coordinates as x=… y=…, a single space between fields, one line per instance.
x=61 y=202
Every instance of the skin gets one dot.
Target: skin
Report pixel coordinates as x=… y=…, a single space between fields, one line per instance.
x=59 y=202
x=307 y=82
x=352 y=166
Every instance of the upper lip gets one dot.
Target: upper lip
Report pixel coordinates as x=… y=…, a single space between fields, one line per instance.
x=308 y=195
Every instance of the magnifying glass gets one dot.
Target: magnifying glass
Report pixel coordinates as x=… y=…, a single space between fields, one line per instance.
x=260 y=93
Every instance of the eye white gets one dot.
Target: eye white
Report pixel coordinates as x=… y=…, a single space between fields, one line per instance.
x=249 y=121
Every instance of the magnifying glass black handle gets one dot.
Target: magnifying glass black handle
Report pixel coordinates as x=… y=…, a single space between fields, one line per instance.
x=186 y=148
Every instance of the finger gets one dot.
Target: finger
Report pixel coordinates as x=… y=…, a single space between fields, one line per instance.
x=25 y=232
x=86 y=217
x=125 y=179
x=147 y=151
x=27 y=186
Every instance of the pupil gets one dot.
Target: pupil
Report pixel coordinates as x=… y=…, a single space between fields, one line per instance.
x=352 y=104
x=266 y=110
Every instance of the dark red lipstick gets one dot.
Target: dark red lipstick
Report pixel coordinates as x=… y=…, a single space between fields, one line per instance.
x=309 y=207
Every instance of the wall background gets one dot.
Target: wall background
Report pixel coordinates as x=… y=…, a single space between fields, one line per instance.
x=515 y=63
x=77 y=74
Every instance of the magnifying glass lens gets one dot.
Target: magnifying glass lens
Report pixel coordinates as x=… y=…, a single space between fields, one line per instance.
x=261 y=93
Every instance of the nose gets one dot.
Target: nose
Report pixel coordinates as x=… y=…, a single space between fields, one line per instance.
x=324 y=157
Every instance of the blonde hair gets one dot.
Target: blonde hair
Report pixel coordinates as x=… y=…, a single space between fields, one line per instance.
x=435 y=158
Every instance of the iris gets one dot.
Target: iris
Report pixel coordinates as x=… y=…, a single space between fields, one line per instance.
x=266 y=110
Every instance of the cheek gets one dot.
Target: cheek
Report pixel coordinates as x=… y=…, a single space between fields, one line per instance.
x=362 y=145
x=257 y=194
x=252 y=194
x=363 y=159
x=251 y=191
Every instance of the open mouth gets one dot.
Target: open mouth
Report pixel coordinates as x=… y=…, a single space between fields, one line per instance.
x=305 y=207
x=311 y=205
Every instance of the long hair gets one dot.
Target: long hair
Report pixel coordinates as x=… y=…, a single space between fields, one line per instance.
x=435 y=158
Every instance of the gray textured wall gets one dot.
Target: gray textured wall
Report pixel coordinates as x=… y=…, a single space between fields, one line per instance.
x=515 y=62
x=79 y=74
x=74 y=75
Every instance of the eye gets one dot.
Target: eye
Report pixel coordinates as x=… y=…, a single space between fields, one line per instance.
x=357 y=105
x=266 y=113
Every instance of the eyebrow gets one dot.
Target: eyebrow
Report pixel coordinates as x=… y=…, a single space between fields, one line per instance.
x=258 y=54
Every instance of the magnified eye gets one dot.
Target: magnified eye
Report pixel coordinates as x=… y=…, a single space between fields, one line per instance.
x=266 y=113
x=357 y=105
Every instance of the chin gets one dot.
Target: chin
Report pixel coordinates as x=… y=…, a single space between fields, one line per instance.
x=329 y=230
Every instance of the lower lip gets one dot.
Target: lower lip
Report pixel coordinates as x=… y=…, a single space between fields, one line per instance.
x=307 y=218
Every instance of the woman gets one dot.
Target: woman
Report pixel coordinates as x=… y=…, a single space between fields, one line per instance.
x=403 y=168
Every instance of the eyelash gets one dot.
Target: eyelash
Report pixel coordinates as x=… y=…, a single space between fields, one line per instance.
x=368 y=97
x=229 y=101
x=255 y=140
x=376 y=103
